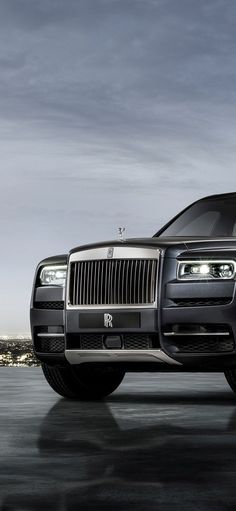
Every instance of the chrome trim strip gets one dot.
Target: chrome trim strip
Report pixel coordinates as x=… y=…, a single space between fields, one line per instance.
x=205 y=261
x=53 y=267
x=190 y=334
x=210 y=238
x=44 y=334
x=99 y=308
x=120 y=252
x=82 y=356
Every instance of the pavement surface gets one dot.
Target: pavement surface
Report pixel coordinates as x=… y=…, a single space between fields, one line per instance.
x=160 y=442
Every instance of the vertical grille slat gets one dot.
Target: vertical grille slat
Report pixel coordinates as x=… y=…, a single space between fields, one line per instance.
x=80 y=283
x=119 y=288
x=127 y=282
x=101 y=281
x=112 y=297
x=131 y=282
x=90 y=285
x=94 y=274
x=74 y=285
x=143 y=281
x=113 y=282
x=109 y=283
x=84 y=282
x=139 y=280
x=98 y=280
x=147 y=281
x=123 y=284
x=153 y=278
x=135 y=282
x=105 y=283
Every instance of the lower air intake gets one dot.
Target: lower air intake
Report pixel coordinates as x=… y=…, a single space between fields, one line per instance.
x=49 y=305
x=98 y=342
x=91 y=342
x=49 y=345
x=201 y=302
x=204 y=345
x=137 y=342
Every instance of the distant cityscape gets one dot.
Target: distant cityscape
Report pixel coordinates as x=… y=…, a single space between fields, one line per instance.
x=16 y=350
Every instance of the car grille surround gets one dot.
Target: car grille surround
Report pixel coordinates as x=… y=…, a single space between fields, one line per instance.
x=118 y=282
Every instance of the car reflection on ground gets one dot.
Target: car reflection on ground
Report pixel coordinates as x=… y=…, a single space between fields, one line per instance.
x=131 y=452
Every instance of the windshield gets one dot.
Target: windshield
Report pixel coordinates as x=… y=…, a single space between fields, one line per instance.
x=213 y=217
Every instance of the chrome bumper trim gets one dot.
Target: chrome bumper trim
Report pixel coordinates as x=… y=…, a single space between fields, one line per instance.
x=191 y=334
x=82 y=356
x=45 y=334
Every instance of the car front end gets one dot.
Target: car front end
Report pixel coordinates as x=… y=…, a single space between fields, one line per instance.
x=150 y=304
x=128 y=303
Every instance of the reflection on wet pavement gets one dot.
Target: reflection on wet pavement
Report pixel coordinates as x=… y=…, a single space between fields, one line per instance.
x=161 y=442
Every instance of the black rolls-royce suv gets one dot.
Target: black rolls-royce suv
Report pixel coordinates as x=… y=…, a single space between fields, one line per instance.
x=150 y=304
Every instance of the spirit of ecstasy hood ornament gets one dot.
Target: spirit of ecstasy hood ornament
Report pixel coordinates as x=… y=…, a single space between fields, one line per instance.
x=121 y=231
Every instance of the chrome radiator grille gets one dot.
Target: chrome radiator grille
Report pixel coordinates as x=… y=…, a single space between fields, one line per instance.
x=113 y=282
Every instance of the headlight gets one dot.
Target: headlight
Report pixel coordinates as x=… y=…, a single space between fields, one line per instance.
x=53 y=275
x=202 y=270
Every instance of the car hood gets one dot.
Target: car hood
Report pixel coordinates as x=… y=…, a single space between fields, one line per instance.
x=171 y=246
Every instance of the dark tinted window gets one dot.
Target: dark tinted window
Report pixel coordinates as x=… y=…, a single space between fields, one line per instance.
x=205 y=218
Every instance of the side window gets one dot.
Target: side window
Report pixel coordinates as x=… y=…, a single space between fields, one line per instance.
x=203 y=225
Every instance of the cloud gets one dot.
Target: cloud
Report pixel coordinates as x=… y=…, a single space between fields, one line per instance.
x=112 y=112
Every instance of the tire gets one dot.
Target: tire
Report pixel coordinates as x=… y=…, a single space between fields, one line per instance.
x=230 y=375
x=83 y=382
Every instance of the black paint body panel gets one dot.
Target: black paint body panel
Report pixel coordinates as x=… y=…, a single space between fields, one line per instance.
x=204 y=305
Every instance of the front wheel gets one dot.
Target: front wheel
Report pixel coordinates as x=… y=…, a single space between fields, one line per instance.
x=230 y=375
x=83 y=382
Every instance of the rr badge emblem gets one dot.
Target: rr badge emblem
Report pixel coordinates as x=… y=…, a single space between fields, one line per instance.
x=110 y=253
x=108 y=320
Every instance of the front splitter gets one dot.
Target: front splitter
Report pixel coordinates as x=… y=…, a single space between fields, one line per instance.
x=85 y=356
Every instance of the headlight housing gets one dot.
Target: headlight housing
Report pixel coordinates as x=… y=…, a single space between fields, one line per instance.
x=54 y=275
x=205 y=270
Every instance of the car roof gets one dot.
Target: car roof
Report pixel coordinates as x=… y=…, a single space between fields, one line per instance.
x=220 y=196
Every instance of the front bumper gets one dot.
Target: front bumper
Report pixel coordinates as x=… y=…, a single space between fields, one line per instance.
x=154 y=323
x=203 y=314
x=137 y=325
x=118 y=356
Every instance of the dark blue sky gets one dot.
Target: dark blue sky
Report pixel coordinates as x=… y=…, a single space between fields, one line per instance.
x=112 y=112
